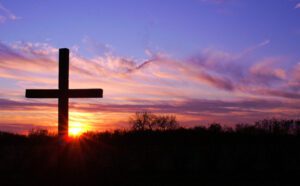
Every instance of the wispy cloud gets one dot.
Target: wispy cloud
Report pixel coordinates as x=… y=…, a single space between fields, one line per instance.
x=96 y=48
x=266 y=72
x=212 y=85
x=6 y=14
x=215 y=69
x=200 y=109
x=297 y=5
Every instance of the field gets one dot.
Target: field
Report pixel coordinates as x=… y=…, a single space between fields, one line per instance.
x=266 y=153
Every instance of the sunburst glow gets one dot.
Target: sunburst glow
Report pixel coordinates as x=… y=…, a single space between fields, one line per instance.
x=76 y=129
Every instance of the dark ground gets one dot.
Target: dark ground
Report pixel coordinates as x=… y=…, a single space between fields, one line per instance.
x=247 y=156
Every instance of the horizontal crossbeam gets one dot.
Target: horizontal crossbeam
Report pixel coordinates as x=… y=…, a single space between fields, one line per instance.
x=72 y=93
x=85 y=93
x=42 y=93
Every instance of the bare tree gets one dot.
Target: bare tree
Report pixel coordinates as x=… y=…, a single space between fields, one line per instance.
x=142 y=121
x=149 y=121
x=166 y=122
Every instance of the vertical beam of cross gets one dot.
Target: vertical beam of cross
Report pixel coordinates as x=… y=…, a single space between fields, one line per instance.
x=63 y=86
x=63 y=93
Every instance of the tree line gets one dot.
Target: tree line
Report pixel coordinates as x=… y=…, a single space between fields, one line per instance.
x=142 y=121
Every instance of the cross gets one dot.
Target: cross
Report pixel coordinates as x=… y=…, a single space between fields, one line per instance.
x=63 y=93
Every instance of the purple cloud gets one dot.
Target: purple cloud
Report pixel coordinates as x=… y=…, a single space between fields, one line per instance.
x=233 y=92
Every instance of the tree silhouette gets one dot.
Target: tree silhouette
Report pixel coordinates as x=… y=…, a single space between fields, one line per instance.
x=149 y=121
x=141 y=121
x=165 y=122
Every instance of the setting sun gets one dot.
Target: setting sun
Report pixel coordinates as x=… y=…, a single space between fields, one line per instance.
x=76 y=129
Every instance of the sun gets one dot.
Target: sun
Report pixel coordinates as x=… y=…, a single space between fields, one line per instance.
x=76 y=129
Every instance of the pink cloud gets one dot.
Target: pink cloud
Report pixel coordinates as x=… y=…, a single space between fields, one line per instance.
x=266 y=71
x=201 y=110
x=294 y=82
x=220 y=70
x=212 y=84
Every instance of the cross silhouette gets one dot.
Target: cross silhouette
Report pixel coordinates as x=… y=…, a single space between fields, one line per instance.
x=63 y=93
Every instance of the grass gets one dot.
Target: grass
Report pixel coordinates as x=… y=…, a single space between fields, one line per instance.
x=260 y=154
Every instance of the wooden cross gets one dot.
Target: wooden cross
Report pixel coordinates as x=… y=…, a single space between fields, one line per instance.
x=63 y=93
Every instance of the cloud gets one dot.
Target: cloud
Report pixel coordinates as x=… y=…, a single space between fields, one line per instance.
x=219 y=70
x=265 y=71
x=294 y=82
x=201 y=109
x=21 y=57
x=22 y=62
x=279 y=93
x=218 y=82
x=7 y=104
x=297 y=6
x=264 y=43
x=96 y=48
x=212 y=85
x=6 y=14
x=269 y=75
x=23 y=128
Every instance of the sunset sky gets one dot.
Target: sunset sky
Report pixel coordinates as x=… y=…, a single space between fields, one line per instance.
x=227 y=61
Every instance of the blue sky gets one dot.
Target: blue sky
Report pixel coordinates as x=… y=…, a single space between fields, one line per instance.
x=177 y=27
x=211 y=52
